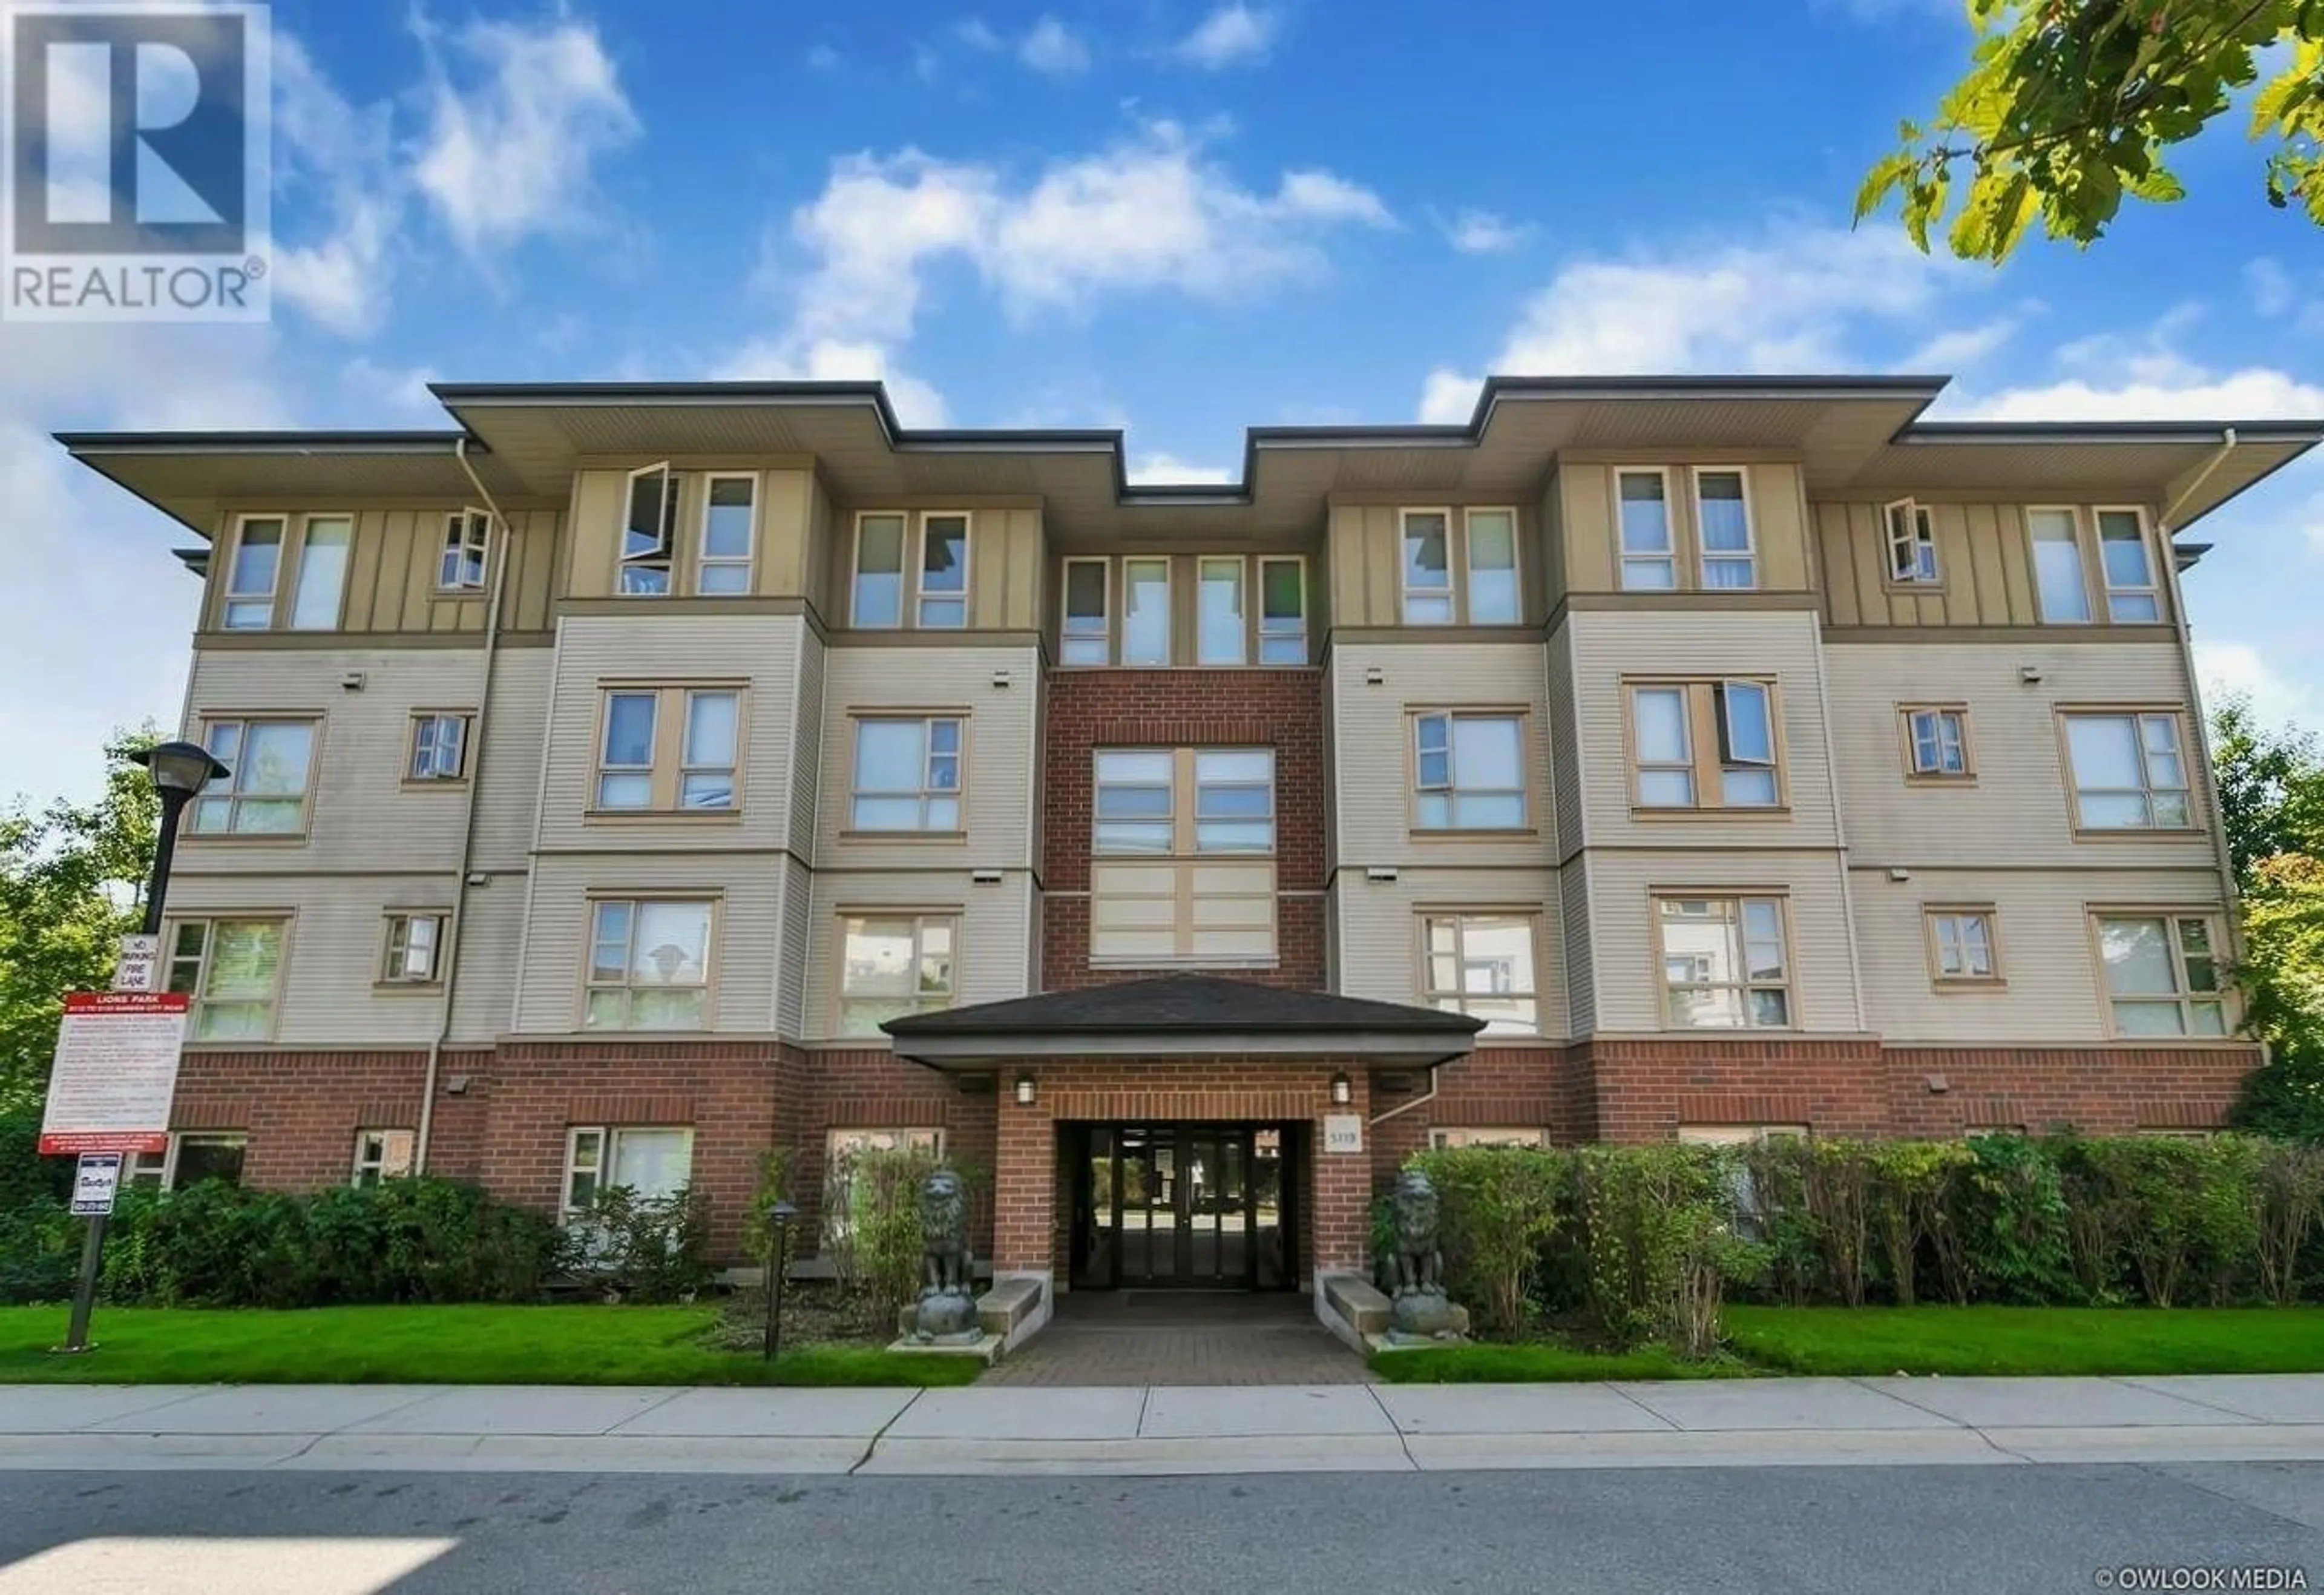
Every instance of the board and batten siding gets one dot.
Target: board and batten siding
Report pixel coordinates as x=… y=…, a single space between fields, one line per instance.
x=1588 y=535
x=998 y=779
x=673 y=649
x=2053 y=991
x=360 y=814
x=393 y=561
x=1985 y=577
x=1362 y=572
x=1371 y=729
x=780 y=564
x=329 y=995
x=745 y=933
x=1610 y=645
x=1623 y=883
x=1379 y=930
x=2017 y=811
x=990 y=958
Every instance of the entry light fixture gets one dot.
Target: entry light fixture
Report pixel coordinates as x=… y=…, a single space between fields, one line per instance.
x=1379 y=872
x=1023 y=1091
x=1344 y=1091
x=2031 y=674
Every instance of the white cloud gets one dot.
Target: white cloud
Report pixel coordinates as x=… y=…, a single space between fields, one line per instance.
x=344 y=156
x=916 y=403
x=1169 y=470
x=823 y=58
x=1792 y=303
x=1234 y=35
x=1948 y=351
x=1051 y=49
x=2272 y=291
x=977 y=35
x=2145 y=378
x=1480 y=232
x=2226 y=668
x=510 y=150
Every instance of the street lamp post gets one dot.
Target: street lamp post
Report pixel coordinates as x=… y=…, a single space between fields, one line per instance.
x=179 y=770
x=778 y=1246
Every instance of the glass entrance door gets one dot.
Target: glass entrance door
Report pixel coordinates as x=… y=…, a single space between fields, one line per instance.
x=1161 y=1205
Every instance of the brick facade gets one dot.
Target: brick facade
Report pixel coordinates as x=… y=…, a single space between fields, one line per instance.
x=1086 y=710
x=502 y=1116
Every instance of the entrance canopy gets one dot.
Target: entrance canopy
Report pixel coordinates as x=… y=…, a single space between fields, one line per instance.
x=1184 y=1016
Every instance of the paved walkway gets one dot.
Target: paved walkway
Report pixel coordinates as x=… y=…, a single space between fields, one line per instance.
x=1161 y=1337
x=1164 y=1430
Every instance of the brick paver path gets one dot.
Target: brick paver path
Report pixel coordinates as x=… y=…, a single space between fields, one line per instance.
x=1181 y=1338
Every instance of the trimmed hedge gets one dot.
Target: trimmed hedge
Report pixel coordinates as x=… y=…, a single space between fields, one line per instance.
x=1638 y=1244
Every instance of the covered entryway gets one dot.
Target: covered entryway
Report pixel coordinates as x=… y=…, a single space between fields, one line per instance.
x=1178 y=1337
x=1190 y=1206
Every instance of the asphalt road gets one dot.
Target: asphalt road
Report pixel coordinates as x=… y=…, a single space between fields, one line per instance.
x=1980 y=1529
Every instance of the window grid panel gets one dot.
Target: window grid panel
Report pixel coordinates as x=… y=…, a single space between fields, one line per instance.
x=625 y=753
x=1283 y=612
x=1493 y=592
x=1665 y=752
x=2060 y=583
x=1722 y=519
x=2128 y=771
x=729 y=535
x=1482 y=965
x=876 y=599
x=706 y=761
x=892 y=966
x=1938 y=741
x=1234 y=801
x=383 y=1155
x=231 y=970
x=1725 y=963
x=1704 y=745
x=1427 y=544
x=413 y=946
x=253 y=574
x=2162 y=976
x=1912 y=545
x=1146 y=612
x=325 y=543
x=649 y=964
x=649 y=534
x=2134 y=594
x=908 y=774
x=1221 y=626
x=461 y=567
x=270 y=765
x=1136 y=805
x=439 y=746
x=944 y=572
x=1469 y=771
x=1088 y=633
x=1648 y=545
x=1964 y=943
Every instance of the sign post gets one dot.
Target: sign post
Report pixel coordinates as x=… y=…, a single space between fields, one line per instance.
x=95 y=1182
x=117 y=1072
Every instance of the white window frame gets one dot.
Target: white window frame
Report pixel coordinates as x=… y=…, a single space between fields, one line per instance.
x=748 y=559
x=1704 y=766
x=921 y=1001
x=204 y=969
x=604 y=1156
x=2146 y=791
x=423 y=754
x=228 y=788
x=1456 y=1000
x=664 y=556
x=1704 y=554
x=1169 y=607
x=1296 y=634
x=1451 y=786
x=378 y=1153
x=405 y=935
x=1203 y=564
x=638 y=903
x=160 y=1169
x=921 y=597
x=229 y=599
x=927 y=792
x=1468 y=571
x=336 y=619
x=467 y=542
x=1449 y=593
x=2187 y=998
x=1067 y=637
x=1665 y=989
x=666 y=770
x=1667 y=556
x=2092 y=591
x=2151 y=593
x=1947 y=928
x=1452 y=1137
x=1195 y=844
x=1914 y=540
x=1167 y=821
x=903 y=571
x=1938 y=716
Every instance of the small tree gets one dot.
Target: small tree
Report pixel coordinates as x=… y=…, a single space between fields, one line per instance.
x=1497 y=1207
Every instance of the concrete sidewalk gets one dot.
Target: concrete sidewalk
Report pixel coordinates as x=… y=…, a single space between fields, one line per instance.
x=1164 y=1429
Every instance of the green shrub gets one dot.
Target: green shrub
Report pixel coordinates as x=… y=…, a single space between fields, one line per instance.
x=1498 y=1208
x=2008 y=1209
x=1656 y=1226
x=40 y=1253
x=25 y=1176
x=777 y=1167
x=644 y=1248
x=882 y=1238
x=1909 y=1180
x=2290 y=1196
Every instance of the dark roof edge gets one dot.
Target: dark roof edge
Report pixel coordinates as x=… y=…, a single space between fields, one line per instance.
x=83 y=443
x=2305 y=432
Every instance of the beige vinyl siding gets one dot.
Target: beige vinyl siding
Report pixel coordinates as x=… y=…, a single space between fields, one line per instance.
x=1781 y=645
x=2018 y=811
x=1362 y=574
x=1824 y=995
x=1373 y=722
x=792 y=997
x=991 y=956
x=1565 y=743
x=746 y=929
x=1982 y=552
x=1579 y=951
x=507 y=758
x=1333 y=675
x=1778 y=509
x=393 y=559
x=484 y=1001
x=806 y=743
x=2051 y=989
x=359 y=814
x=1379 y=930
x=997 y=784
x=673 y=648
x=326 y=996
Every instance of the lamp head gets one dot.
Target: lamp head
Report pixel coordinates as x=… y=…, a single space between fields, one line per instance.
x=179 y=769
x=781 y=1214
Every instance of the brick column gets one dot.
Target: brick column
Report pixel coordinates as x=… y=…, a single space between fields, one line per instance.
x=1341 y=1191
x=1024 y=1183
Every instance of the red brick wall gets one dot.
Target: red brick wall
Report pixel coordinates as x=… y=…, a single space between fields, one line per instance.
x=2109 y=1091
x=1336 y=1195
x=1085 y=710
x=300 y=1110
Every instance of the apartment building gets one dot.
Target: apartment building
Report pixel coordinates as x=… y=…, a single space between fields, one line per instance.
x=627 y=780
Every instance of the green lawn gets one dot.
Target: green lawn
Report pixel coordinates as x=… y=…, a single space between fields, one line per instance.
x=581 y=1345
x=2030 y=1339
x=1872 y=1340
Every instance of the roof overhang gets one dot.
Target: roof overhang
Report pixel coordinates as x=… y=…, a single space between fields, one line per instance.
x=1365 y=1049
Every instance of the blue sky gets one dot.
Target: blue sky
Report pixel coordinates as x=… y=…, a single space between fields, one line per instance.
x=1170 y=215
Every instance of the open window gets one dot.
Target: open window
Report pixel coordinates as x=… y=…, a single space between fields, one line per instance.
x=649 y=535
x=1911 y=544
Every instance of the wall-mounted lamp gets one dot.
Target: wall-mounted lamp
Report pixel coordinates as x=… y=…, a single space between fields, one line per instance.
x=1374 y=676
x=1000 y=679
x=352 y=681
x=2031 y=674
x=1023 y=1091
x=1938 y=1086
x=1899 y=872
x=1344 y=1091
x=1379 y=872
x=985 y=876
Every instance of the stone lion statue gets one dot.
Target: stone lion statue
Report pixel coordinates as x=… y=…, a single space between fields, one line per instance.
x=1417 y=1268
x=943 y=1235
